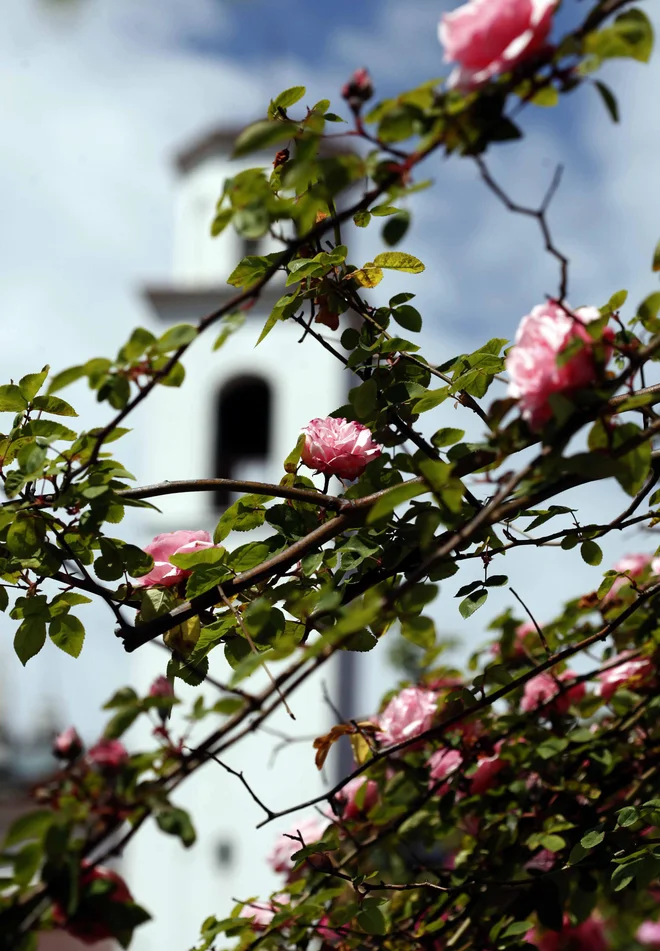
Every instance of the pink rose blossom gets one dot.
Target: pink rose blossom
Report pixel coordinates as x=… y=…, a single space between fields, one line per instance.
x=532 y=361
x=630 y=566
x=487 y=769
x=310 y=829
x=587 y=936
x=649 y=933
x=108 y=754
x=411 y=712
x=161 y=550
x=348 y=796
x=442 y=764
x=68 y=745
x=337 y=447
x=328 y=933
x=629 y=673
x=161 y=687
x=262 y=913
x=542 y=688
x=487 y=37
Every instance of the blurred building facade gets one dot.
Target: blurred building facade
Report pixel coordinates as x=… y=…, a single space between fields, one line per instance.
x=238 y=414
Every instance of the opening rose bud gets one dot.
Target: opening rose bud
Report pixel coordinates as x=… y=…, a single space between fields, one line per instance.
x=109 y=755
x=161 y=550
x=68 y=745
x=358 y=89
x=337 y=447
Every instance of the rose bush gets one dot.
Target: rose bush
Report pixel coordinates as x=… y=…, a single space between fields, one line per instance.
x=509 y=805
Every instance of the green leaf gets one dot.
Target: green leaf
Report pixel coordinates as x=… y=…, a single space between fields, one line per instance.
x=399 y=261
x=289 y=97
x=221 y=220
x=32 y=825
x=431 y=399
x=368 y=276
x=364 y=398
x=419 y=631
x=592 y=839
x=473 y=602
x=408 y=317
x=371 y=918
x=362 y=218
x=260 y=135
x=178 y=336
x=66 y=377
x=174 y=821
x=396 y=228
x=67 y=633
x=229 y=325
x=656 y=258
x=30 y=384
x=628 y=816
x=26 y=535
x=631 y=35
x=447 y=436
x=120 y=722
x=591 y=552
x=608 y=98
x=53 y=405
x=11 y=399
x=393 y=497
x=30 y=638
x=250 y=270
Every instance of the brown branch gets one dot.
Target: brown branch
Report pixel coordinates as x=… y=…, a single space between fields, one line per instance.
x=179 y=486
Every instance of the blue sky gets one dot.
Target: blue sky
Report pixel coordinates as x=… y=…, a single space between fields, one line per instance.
x=99 y=94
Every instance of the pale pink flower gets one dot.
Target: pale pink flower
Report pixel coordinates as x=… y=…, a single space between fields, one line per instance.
x=262 y=913
x=161 y=550
x=161 y=687
x=487 y=37
x=337 y=447
x=629 y=673
x=348 y=795
x=532 y=361
x=543 y=861
x=412 y=711
x=630 y=566
x=442 y=764
x=328 y=933
x=68 y=745
x=587 y=936
x=542 y=688
x=108 y=754
x=649 y=933
x=486 y=772
x=310 y=829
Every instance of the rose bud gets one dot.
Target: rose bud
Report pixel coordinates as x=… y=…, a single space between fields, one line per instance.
x=67 y=745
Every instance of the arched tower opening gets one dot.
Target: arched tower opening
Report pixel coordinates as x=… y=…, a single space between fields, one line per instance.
x=242 y=430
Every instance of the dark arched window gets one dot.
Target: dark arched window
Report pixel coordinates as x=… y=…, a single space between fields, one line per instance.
x=242 y=429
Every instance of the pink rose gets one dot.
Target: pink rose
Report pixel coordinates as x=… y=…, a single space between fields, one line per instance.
x=587 y=936
x=161 y=687
x=348 y=796
x=68 y=745
x=442 y=764
x=487 y=37
x=487 y=769
x=161 y=550
x=412 y=711
x=337 y=447
x=532 y=361
x=310 y=829
x=108 y=754
x=328 y=933
x=630 y=566
x=649 y=933
x=629 y=673
x=542 y=688
x=262 y=913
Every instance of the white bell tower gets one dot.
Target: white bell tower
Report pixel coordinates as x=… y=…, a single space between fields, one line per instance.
x=238 y=414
